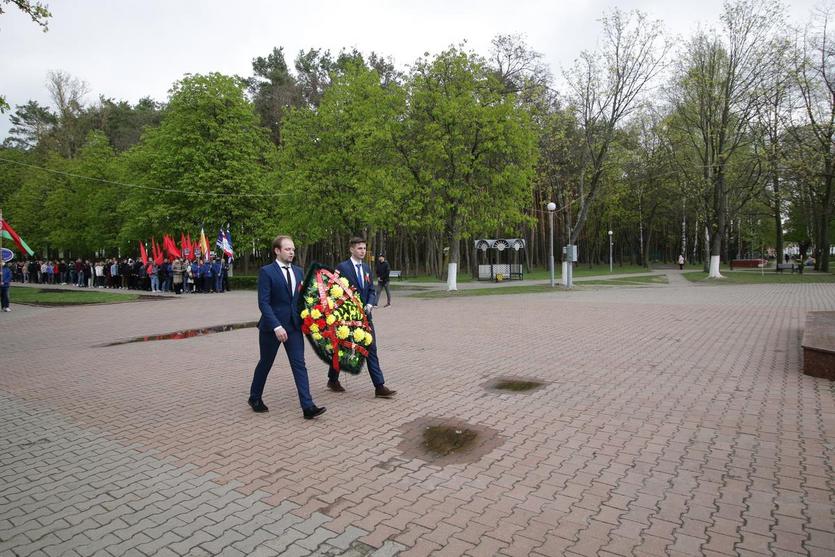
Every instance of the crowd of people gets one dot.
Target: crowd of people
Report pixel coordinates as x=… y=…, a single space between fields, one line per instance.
x=178 y=275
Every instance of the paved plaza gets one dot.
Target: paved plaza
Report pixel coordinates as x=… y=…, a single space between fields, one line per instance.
x=674 y=420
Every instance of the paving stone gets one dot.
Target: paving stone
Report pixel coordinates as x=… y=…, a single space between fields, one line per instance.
x=642 y=439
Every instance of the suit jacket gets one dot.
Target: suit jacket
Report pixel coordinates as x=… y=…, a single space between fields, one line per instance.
x=368 y=294
x=277 y=307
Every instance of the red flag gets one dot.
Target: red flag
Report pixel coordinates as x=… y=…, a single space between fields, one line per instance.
x=157 y=252
x=175 y=251
x=170 y=246
x=144 y=253
x=183 y=248
x=190 y=247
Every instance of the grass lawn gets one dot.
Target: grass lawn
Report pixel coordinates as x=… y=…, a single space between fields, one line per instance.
x=396 y=286
x=498 y=290
x=539 y=288
x=756 y=277
x=46 y=297
x=583 y=270
x=462 y=277
x=543 y=274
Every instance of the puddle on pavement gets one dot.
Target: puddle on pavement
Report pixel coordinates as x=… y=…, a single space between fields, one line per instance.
x=443 y=441
x=188 y=333
x=518 y=385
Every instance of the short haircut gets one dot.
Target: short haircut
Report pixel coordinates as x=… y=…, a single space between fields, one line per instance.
x=356 y=240
x=280 y=240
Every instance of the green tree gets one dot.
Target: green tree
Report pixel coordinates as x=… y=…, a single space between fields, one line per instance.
x=717 y=98
x=274 y=91
x=95 y=199
x=28 y=205
x=339 y=158
x=206 y=163
x=38 y=11
x=121 y=122
x=67 y=94
x=469 y=148
x=32 y=126
x=814 y=135
x=605 y=88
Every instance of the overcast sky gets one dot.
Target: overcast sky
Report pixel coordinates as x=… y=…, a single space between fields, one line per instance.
x=128 y=49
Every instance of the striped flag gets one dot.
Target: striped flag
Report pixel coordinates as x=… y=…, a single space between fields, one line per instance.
x=7 y=232
x=204 y=244
x=224 y=243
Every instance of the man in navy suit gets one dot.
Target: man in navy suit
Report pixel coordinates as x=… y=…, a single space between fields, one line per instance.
x=279 y=284
x=358 y=274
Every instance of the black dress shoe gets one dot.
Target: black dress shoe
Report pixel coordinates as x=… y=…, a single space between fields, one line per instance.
x=384 y=392
x=314 y=411
x=336 y=386
x=258 y=405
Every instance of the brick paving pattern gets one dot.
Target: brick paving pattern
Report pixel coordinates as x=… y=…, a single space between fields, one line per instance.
x=674 y=421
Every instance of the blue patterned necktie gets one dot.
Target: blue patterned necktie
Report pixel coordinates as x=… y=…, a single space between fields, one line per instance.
x=359 y=274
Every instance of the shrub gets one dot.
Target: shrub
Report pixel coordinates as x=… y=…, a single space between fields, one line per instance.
x=243 y=282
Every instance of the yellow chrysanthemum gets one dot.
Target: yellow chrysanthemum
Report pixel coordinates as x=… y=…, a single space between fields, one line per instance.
x=310 y=300
x=336 y=291
x=316 y=336
x=314 y=328
x=315 y=314
x=330 y=319
x=330 y=303
x=344 y=282
x=359 y=334
x=368 y=339
x=305 y=313
x=343 y=332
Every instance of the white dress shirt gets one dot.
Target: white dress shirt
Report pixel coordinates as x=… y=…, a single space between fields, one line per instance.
x=282 y=265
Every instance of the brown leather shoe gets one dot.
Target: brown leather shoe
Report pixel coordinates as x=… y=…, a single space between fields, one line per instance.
x=336 y=387
x=384 y=392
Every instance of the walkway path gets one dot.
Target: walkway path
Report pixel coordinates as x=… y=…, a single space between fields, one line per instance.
x=673 y=421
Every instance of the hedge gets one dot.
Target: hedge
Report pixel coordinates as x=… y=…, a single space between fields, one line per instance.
x=243 y=282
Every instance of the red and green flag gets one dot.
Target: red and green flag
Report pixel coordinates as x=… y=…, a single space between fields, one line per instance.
x=7 y=232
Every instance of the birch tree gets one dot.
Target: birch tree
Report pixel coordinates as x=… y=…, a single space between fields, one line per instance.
x=717 y=101
x=605 y=88
x=815 y=132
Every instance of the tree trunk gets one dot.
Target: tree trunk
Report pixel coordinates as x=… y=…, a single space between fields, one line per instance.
x=720 y=211
x=454 y=256
x=822 y=262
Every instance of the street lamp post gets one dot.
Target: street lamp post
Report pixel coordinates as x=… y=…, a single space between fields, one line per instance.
x=551 y=208
x=610 y=251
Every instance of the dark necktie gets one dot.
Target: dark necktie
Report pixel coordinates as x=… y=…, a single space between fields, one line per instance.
x=289 y=282
x=359 y=274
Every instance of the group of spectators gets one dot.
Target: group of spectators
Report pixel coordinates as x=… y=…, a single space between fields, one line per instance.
x=178 y=276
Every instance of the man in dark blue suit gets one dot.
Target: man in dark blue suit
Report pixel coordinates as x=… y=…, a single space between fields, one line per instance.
x=358 y=274
x=279 y=284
